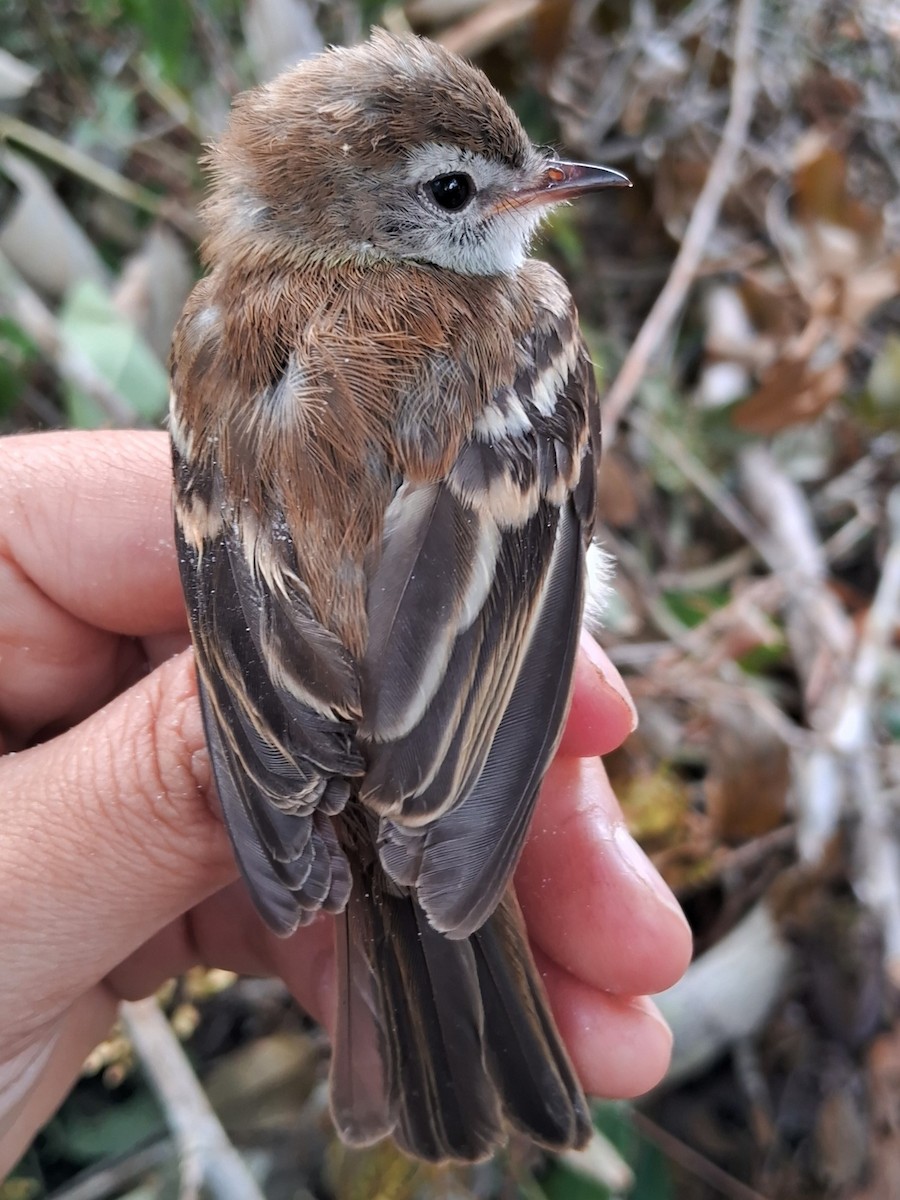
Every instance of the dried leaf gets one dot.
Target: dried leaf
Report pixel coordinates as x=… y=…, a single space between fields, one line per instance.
x=820 y=187
x=619 y=489
x=790 y=391
x=748 y=775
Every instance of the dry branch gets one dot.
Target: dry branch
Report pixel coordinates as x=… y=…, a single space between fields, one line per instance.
x=702 y=222
x=29 y=312
x=207 y=1156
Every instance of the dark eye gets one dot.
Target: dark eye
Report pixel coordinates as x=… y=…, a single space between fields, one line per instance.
x=452 y=192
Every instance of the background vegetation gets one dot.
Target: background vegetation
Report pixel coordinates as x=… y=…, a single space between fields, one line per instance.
x=742 y=303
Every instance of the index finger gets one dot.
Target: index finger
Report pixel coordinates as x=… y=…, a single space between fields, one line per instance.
x=88 y=520
x=86 y=556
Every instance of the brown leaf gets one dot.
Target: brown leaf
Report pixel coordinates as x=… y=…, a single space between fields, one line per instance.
x=550 y=30
x=820 y=188
x=884 y=1124
x=618 y=487
x=748 y=775
x=790 y=391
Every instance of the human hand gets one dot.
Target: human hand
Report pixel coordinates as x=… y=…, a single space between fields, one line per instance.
x=115 y=869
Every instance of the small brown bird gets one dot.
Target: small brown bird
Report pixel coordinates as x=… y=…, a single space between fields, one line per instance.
x=384 y=427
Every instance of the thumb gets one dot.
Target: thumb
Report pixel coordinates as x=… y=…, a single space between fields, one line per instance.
x=108 y=836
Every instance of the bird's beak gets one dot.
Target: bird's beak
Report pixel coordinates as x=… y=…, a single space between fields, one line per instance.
x=564 y=181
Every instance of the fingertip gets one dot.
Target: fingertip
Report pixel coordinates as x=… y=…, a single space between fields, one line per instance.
x=620 y=1046
x=602 y=713
x=591 y=897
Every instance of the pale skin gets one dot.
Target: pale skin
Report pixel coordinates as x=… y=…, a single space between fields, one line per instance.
x=115 y=870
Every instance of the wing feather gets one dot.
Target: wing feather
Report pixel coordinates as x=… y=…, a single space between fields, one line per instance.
x=464 y=859
x=282 y=757
x=456 y=757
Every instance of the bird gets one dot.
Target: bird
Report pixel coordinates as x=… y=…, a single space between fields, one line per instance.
x=385 y=430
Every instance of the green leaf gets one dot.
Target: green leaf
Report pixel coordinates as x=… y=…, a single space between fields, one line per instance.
x=21 y=1185
x=84 y=1133
x=17 y=352
x=691 y=608
x=879 y=405
x=561 y=1183
x=91 y=324
x=113 y=120
x=167 y=30
x=651 y=1170
x=563 y=232
x=763 y=659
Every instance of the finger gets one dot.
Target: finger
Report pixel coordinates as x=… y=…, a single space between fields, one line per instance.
x=56 y=669
x=86 y=554
x=226 y=931
x=90 y=524
x=592 y=900
x=620 y=1046
x=127 y=840
x=602 y=713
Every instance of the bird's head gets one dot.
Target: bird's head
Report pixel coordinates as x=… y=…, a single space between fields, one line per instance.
x=393 y=150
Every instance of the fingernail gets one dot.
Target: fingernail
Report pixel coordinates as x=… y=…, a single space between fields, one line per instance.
x=643 y=869
x=609 y=677
x=646 y=1006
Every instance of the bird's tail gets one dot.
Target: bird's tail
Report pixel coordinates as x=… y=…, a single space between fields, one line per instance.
x=445 y=1044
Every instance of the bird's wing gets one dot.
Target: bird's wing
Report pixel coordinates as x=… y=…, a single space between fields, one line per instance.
x=474 y=611
x=278 y=693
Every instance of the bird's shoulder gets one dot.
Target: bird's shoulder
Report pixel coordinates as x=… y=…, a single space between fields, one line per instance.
x=407 y=358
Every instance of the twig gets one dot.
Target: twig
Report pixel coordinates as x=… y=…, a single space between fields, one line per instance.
x=112 y=1178
x=170 y=99
x=79 y=163
x=28 y=311
x=701 y=477
x=853 y=737
x=877 y=630
x=692 y=1161
x=714 y=574
x=839 y=687
x=632 y=563
x=207 y=1156
x=475 y=34
x=710 y=692
x=700 y=226
x=99 y=176
x=818 y=631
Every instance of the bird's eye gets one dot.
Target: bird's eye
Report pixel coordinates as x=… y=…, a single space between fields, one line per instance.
x=452 y=192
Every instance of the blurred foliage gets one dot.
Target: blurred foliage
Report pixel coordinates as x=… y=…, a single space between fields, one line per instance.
x=117 y=351
x=789 y=342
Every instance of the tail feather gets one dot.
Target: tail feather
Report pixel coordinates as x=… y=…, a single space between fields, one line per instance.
x=539 y=1091
x=445 y=1044
x=359 y=1085
x=433 y=1018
